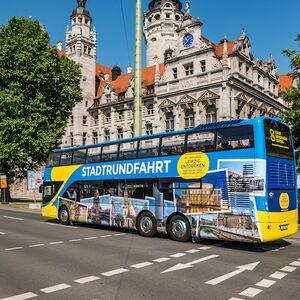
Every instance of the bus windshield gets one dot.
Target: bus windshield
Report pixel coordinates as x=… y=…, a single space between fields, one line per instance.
x=278 y=140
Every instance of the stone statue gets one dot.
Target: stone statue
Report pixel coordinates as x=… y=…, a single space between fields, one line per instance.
x=188 y=8
x=81 y=3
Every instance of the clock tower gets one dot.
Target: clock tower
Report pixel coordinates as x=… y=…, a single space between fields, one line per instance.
x=160 y=24
x=81 y=47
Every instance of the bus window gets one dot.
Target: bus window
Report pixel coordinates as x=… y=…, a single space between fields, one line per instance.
x=93 y=155
x=53 y=160
x=79 y=157
x=235 y=138
x=110 y=153
x=201 y=141
x=127 y=151
x=50 y=189
x=66 y=158
x=71 y=192
x=173 y=145
x=148 y=148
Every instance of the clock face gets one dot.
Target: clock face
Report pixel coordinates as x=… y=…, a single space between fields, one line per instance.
x=188 y=40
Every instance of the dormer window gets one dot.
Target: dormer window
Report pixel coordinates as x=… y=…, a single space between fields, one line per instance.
x=168 y=16
x=189 y=69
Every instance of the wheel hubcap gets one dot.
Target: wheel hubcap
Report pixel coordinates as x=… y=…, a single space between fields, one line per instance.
x=146 y=224
x=179 y=228
x=64 y=215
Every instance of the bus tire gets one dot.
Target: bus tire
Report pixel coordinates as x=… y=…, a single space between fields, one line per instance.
x=64 y=215
x=179 y=229
x=146 y=224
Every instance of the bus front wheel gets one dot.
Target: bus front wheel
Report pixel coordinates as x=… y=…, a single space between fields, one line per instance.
x=64 y=216
x=146 y=224
x=180 y=229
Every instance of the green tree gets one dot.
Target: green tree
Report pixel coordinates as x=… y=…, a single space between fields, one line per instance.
x=38 y=89
x=292 y=95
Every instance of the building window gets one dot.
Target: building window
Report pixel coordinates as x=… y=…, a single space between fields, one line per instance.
x=108 y=98
x=168 y=16
x=72 y=120
x=84 y=135
x=96 y=120
x=95 y=137
x=169 y=122
x=247 y=70
x=150 y=90
x=157 y=17
x=189 y=119
x=149 y=129
x=107 y=118
x=240 y=67
x=203 y=66
x=150 y=109
x=89 y=51
x=121 y=115
x=132 y=130
x=189 y=69
x=120 y=134
x=211 y=114
x=121 y=97
x=84 y=120
x=106 y=135
x=175 y=73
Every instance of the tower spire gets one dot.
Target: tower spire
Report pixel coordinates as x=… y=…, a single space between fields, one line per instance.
x=81 y=3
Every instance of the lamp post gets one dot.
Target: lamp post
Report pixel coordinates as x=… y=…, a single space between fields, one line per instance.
x=137 y=127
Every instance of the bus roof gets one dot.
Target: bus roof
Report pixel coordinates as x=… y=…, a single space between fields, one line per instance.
x=201 y=127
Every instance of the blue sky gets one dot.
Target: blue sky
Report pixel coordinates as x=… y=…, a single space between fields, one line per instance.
x=271 y=25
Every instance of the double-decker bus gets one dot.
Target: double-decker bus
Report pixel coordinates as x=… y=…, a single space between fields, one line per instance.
x=231 y=180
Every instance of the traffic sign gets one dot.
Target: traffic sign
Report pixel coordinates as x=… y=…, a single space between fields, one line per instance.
x=34 y=180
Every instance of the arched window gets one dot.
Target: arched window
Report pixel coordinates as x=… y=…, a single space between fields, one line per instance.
x=169 y=122
x=107 y=117
x=211 y=114
x=189 y=119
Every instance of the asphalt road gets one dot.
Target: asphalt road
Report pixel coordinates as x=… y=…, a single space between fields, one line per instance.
x=40 y=259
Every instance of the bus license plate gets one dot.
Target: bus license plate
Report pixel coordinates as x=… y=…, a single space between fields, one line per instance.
x=283 y=227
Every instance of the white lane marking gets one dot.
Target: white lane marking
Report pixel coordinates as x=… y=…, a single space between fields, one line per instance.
x=91 y=238
x=192 y=251
x=56 y=243
x=76 y=240
x=190 y=264
x=119 y=234
x=266 y=283
x=87 y=279
x=295 y=263
x=2 y=233
x=59 y=225
x=176 y=255
x=240 y=269
x=13 y=218
x=162 y=259
x=235 y=298
x=16 y=248
x=21 y=297
x=142 y=265
x=278 y=275
x=288 y=269
x=105 y=236
x=37 y=245
x=250 y=292
x=204 y=248
x=55 y=288
x=114 y=272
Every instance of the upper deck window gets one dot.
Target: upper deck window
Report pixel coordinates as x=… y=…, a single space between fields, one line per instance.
x=127 y=151
x=93 y=155
x=173 y=145
x=148 y=148
x=201 y=141
x=278 y=140
x=66 y=158
x=79 y=157
x=235 y=138
x=53 y=160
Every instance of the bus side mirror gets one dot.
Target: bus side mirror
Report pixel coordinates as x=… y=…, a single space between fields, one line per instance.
x=41 y=188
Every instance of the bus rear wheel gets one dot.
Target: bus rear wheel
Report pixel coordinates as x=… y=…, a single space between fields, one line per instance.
x=64 y=216
x=146 y=224
x=179 y=229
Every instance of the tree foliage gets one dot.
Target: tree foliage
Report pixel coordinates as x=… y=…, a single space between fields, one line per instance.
x=38 y=89
x=292 y=95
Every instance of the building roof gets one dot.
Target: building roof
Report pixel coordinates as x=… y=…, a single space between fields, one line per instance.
x=220 y=48
x=120 y=85
x=285 y=81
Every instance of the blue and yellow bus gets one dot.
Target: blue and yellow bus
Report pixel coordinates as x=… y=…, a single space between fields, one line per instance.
x=232 y=180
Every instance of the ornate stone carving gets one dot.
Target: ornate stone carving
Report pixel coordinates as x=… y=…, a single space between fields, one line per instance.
x=167 y=103
x=81 y=3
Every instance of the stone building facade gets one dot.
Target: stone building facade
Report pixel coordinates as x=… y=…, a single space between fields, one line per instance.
x=188 y=80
